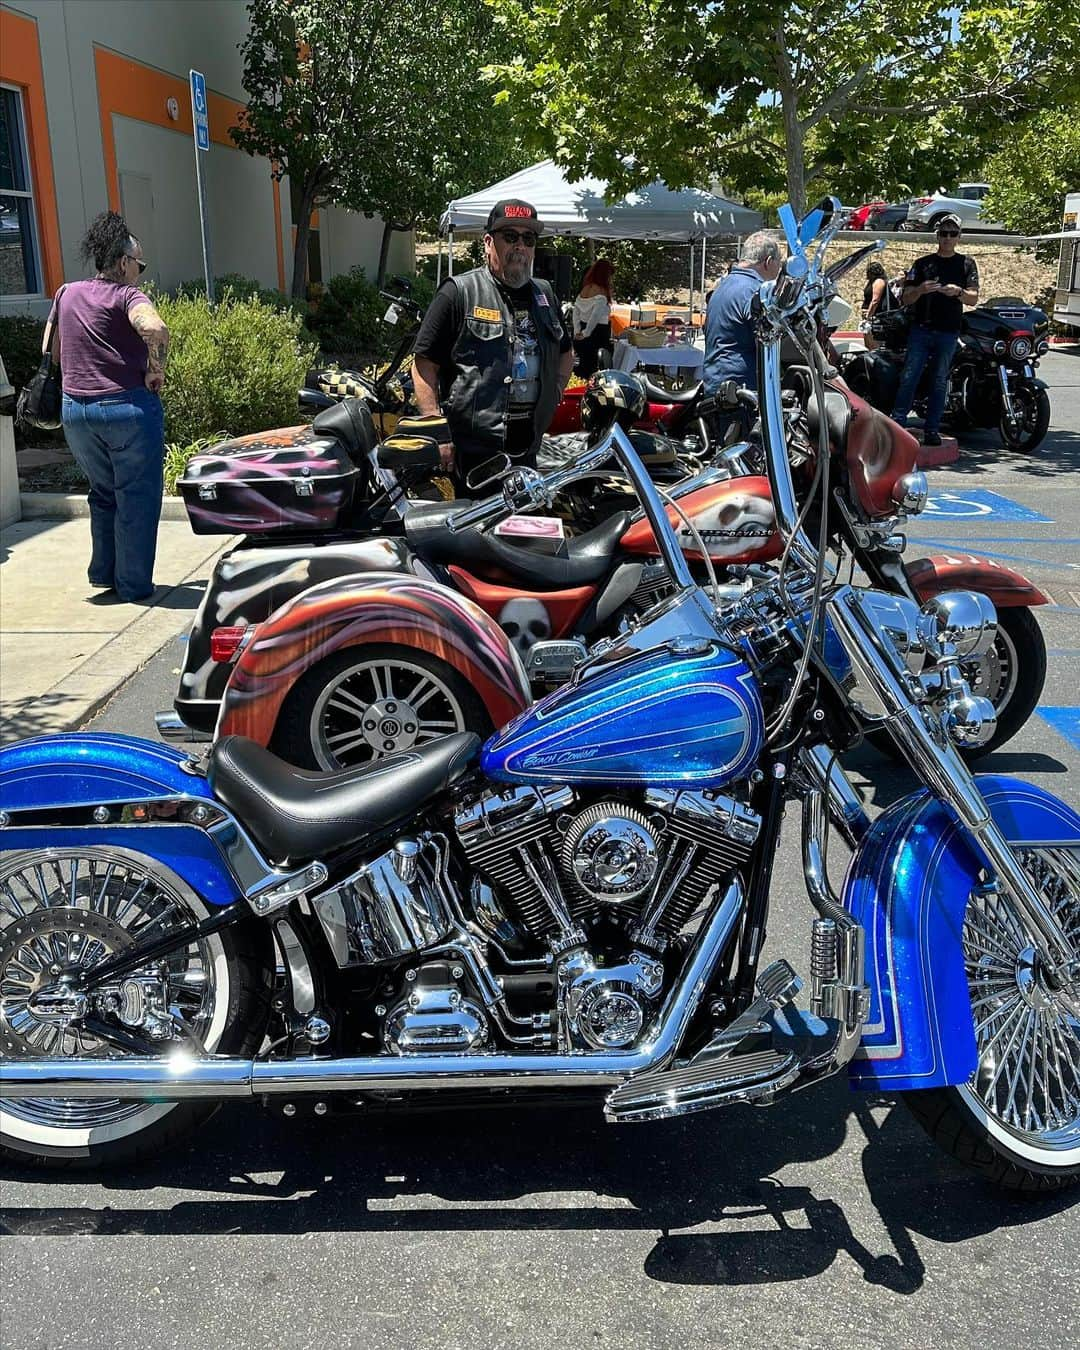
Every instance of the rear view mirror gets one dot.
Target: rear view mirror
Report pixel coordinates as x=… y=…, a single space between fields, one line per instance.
x=488 y=471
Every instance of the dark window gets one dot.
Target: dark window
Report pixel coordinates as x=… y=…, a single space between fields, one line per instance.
x=20 y=272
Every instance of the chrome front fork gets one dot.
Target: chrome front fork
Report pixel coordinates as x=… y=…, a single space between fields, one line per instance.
x=948 y=778
x=1006 y=396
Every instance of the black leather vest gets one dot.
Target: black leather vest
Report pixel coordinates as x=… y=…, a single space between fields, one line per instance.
x=476 y=401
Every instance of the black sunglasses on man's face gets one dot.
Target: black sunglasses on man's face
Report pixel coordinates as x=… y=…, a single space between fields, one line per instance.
x=527 y=237
x=948 y=234
x=137 y=261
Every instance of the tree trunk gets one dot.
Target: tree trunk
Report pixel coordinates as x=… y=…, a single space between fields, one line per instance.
x=793 y=132
x=303 y=234
x=388 y=229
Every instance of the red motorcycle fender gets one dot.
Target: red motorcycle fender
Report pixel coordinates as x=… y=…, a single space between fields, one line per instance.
x=968 y=572
x=352 y=611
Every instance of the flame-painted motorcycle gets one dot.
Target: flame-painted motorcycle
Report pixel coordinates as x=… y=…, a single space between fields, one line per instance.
x=577 y=906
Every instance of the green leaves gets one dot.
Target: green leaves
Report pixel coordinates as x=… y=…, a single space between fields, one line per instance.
x=861 y=97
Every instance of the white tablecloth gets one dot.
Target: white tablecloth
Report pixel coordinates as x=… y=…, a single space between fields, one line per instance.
x=684 y=357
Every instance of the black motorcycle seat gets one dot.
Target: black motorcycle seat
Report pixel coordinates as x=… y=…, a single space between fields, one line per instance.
x=587 y=557
x=350 y=423
x=295 y=815
x=655 y=393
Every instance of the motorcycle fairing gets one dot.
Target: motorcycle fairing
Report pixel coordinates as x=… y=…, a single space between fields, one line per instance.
x=908 y=885
x=968 y=572
x=662 y=718
x=357 y=611
x=94 y=769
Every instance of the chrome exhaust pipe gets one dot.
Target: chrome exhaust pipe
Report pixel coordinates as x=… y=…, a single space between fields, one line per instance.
x=180 y=1076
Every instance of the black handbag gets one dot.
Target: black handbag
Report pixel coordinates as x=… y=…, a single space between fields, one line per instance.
x=40 y=404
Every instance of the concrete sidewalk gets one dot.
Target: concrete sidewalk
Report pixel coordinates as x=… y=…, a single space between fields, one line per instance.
x=63 y=649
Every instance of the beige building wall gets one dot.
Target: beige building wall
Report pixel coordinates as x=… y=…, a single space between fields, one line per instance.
x=96 y=79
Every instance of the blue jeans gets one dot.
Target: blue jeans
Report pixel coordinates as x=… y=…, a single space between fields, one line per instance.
x=118 y=442
x=926 y=347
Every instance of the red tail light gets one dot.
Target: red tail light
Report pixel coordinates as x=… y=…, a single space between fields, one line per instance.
x=225 y=643
x=923 y=201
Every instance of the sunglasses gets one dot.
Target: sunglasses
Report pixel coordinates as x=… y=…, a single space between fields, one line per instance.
x=526 y=237
x=137 y=261
x=948 y=234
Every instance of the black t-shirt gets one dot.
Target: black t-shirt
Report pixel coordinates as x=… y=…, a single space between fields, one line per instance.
x=439 y=330
x=943 y=313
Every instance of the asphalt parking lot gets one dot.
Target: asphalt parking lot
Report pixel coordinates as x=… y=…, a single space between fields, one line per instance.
x=826 y=1220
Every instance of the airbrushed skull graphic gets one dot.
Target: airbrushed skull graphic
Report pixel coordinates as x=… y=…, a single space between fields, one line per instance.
x=524 y=621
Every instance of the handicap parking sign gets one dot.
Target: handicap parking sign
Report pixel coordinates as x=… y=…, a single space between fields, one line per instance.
x=979 y=504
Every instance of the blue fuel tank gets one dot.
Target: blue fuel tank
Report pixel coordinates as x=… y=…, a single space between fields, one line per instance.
x=683 y=715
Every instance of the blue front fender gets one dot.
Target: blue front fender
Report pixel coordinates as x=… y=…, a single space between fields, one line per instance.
x=53 y=773
x=908 y=885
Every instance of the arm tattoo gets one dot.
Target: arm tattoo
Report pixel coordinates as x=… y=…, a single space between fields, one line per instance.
x=147 y=322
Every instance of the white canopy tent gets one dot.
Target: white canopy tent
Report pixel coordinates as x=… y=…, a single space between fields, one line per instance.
x=654 y=212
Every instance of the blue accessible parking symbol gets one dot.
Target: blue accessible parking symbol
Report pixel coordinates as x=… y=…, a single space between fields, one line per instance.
x=979 y=504
x=1065 y=721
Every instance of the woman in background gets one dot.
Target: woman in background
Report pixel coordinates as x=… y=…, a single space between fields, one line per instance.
x=875 y=300
x=111 y=344
x=592 y=316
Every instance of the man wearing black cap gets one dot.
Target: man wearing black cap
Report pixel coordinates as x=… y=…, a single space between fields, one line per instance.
x=938 y=285
x=492 y=353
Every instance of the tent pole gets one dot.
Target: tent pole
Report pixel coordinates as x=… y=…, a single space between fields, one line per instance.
x=692 y=262
x=438 y=266
x=450 y=252
x=704 y=245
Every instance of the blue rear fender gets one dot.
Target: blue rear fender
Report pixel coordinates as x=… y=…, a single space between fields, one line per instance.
x=91 y=769
x=908 y=885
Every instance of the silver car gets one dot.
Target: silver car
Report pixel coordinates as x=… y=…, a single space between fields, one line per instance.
x=925 y=212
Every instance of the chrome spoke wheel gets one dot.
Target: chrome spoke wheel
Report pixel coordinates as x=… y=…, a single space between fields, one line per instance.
x=1026 y=1088
x=67 y=909
x=380 y=707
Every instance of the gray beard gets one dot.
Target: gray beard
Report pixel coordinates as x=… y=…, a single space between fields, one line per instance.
x=515 y=275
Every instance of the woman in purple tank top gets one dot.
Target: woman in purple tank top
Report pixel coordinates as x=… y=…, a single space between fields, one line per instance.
x=111 y=344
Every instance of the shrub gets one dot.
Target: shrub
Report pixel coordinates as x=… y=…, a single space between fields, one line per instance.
x=238 y=365
x=21 y=336
x=177 y=456
x=348 y=319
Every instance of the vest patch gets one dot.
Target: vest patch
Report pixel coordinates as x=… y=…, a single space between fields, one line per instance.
x=491 y=315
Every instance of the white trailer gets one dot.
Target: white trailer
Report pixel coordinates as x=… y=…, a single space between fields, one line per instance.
x=1067 y=295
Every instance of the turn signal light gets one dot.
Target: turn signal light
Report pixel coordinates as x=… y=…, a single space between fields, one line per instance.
x=225 y=643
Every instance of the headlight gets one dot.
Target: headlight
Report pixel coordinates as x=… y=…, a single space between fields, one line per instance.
x=966 y=621
x=1000 y=348
x=910 y=492
x=1043 y=347
x=1020 y=348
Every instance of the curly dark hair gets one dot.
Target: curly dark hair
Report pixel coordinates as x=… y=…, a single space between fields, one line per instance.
x=106 y=241
x=875 y=272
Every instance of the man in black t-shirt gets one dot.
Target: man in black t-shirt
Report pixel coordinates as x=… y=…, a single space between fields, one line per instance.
x=939 y=285
x=492 y=353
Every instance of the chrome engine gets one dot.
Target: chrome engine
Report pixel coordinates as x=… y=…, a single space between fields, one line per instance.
x=560 y=865
x=590 y=893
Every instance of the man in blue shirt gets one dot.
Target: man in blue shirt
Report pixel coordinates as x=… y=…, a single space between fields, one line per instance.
x=730 y=349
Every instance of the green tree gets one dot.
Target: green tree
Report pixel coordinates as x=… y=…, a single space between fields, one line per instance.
x=1030 y=175
x=370 y=105
x=776 y=95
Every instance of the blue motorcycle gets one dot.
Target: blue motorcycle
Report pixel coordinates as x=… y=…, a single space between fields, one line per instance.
x=577 y=906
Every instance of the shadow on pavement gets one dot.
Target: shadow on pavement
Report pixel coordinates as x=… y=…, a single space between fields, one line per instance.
x=528 y=1171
